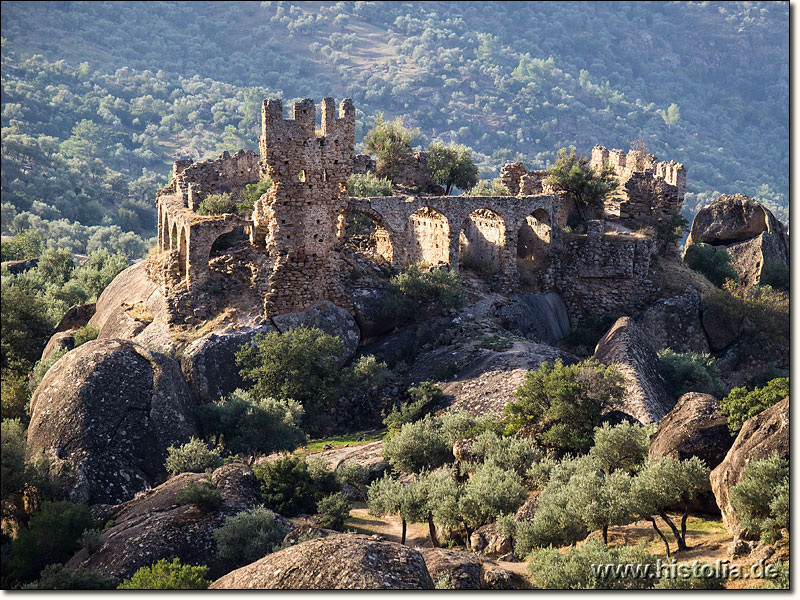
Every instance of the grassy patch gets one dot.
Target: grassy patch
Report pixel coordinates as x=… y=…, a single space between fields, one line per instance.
x=339 y=441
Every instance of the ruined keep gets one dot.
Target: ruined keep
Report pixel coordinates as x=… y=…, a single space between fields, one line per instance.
x=287 y=255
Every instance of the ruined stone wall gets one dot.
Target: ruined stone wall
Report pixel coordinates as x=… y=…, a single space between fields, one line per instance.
x=600 y=273
x=523 y=182
x=650 y=190
x=427 y=238
x=483 y=238
x=298 y=221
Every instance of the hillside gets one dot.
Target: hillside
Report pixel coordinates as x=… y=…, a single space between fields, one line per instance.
x=100 y=97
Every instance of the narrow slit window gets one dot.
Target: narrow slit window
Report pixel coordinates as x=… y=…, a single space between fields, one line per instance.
x=301 y=176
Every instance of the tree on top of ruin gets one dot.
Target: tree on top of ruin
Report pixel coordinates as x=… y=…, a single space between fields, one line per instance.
x=452 y=165
x=572 y=175
x=391 y=142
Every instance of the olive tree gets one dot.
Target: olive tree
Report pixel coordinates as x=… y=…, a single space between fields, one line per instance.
x=452 y=165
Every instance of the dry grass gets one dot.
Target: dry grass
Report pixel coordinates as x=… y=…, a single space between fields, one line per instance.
x=672 y=276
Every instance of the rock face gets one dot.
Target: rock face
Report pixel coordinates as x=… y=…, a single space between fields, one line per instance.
x=133 y=308
x=627 y=347
x=527 y=511
x=490 y=542
x=106 y=412
x=760 y=436
x=209 y=362
x=369 y=456
x=371 y=314
x=20 y=266
x=153 y=526
x=406 y=343
x=694 y=427
x=329 y=318
x=750 y=233
x=76 y=317
x=346 y=561
x=675 y=323
x=465 y=571
x=538 y=317
x=63 y=340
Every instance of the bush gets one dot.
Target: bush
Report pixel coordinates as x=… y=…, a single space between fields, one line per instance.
x=572 y=175
x=392 y=144
x=560 y=405
x=201 y=494
x=489 y=493
x=574 y=570
x=58 y=577
x=424 y=396
x=485 y=187
x=775 y=275
x=248 y=536
x=165 y=575
x=620 y=447
x=368 y=185
x=51 y=536
x=510 y=453
x=334 y=511
x=299 y=364
x=290 y=486
x=713 y=262
x=416 y=295
x=691 y=372
x=418 y=446
x=193 y=457
x=217 y=204
x=742 y=404
x=251 y=193
x=761 y=498
x=702 y=576
x=452 y=166
x=85 y=334
x=242 y=424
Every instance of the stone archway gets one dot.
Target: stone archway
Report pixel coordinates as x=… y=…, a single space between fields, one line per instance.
x=481 y=241
x=427 y=237
x=366 y=231
x=183 y=252
x=533 y=245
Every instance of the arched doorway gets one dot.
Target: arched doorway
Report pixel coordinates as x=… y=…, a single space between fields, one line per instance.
x=533 y=245
x=428 y=237
x=481 y=241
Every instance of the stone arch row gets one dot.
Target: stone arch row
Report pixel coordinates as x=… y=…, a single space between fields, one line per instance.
x=494 y=231
x=173 y=235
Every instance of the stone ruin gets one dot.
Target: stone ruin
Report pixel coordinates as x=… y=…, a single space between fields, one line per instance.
x=288 y=254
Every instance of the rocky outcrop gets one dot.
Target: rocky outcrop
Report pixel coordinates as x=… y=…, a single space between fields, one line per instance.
x=465 y=571
x=369 y=456
x=538 y=317
x=133 y=308
x=76 y=317
x=527 y=511
x=487 y=540
x=751 y=234
x=405 y=344
x=329 y=318
x=106 y=412
x=694 y=427
x=675 y=323
x=337 y=562
x=760 y=436
x=153 y=526
x=626 y=346
x=20 y=266
x=372 y=315
x=64 y=340
x=209 y=362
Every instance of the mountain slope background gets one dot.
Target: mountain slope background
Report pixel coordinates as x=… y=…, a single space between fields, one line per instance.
x=100 y=97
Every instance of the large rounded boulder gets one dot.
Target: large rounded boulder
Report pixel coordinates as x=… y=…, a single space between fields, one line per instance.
x=730 y=218
x=695 y=427
x=106 y=413
x=466 y=571
x=336 y=562
x=675 y=323
x=760 y=436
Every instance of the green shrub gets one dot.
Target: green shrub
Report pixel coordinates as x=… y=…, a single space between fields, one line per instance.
x=701 y=576
x=490 y=492
x=452 y=166
x=775 y=275
x=352 y=474
x=511 y=453
x=574 y=570
x=334 y=511
x=368 y=185
x=691 y=372
x=290 y=486
x=424 y=396
x=87 y=333
x=391 y=142
x=299 y=364
x=493 y=187
x=561 y=405
x=761 y=498
x=58 y=577
x=248 y=536
x=51 y=536
x=416 y=295
x=251 y=193
x=418 y=446
x=780 y=581
x=192 y=457
x=620 y=447
x=242 y=424
x=201 y=494
x=165 y=575
x=587 y=188
x=742 y=404
x=713 y=262
x=217 y=204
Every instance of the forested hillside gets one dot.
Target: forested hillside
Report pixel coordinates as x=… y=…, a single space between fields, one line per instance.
x=100 y=97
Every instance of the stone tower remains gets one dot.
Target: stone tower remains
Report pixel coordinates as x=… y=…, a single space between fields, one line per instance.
x=299 y=221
